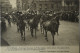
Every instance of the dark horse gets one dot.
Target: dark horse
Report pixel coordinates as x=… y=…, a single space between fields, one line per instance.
x=33 y=23
x=22 y=25
x=51 y=25
x=48 y=18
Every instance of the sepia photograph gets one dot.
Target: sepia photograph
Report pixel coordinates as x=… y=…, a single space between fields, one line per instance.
x=39 y=22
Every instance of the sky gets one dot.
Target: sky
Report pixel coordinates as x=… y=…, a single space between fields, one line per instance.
x=13 y=3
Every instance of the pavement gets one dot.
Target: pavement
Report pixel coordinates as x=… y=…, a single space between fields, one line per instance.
x=68 y=35
x=4 y=43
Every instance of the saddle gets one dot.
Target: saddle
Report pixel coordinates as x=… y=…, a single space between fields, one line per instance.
x=47 y=23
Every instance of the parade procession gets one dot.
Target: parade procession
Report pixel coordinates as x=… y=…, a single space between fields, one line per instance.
x=40 y=22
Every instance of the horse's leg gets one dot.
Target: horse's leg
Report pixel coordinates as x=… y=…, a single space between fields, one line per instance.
x=21 y=33
x=53 y=33
x=10 y=23
x=31 y=31
x=57 y=30
x=18 y=28
x=28 y=27
x=46 y=35
x=41 y=29
x=35 y=33
x=24 y=34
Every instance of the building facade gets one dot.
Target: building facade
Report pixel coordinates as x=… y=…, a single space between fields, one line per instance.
x=22 y=5
x=55 y=5
x=25 y=5
x=6 y=6
x=69 y=5
x=19 y=5
x=47 y=5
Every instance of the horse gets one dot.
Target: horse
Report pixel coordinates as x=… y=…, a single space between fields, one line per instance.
x=21 y=27
x=50 y=25
x=27 y=18
x=18 y=19
x=46 y=18
x=33 y=23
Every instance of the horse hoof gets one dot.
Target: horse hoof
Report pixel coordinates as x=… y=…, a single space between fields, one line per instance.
x=32 y=36
x=47 y=40
x=36 y=37
x=24 y=39
x=53 y=43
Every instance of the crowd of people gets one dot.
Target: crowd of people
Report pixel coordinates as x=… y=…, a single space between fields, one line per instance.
x=70 y=16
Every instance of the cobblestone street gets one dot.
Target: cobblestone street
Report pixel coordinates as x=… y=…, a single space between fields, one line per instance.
x=68 y=35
